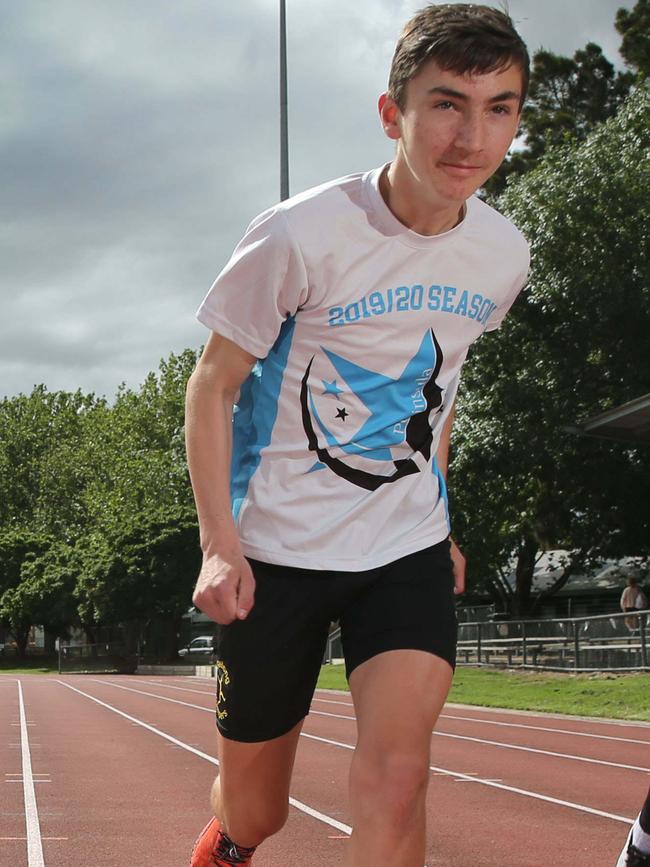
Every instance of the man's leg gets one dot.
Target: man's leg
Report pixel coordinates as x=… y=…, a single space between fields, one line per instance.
x=250 y=796
x=267 y=668
x=398 y=696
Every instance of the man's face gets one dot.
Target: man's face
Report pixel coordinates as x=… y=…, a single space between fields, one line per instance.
x=454 y=130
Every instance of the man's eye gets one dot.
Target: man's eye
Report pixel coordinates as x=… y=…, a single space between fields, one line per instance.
x=501 y=109
x=444 y=105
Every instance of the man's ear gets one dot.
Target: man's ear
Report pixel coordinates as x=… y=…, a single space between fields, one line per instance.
x=390 y=116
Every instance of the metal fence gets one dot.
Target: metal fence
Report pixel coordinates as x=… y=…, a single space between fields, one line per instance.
x=87 y=658
x=612 y=642
x=334 y=649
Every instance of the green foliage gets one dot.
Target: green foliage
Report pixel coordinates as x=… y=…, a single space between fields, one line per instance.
x=97 y=520
x=567 y=99
x=145 y=568
x=570 y=96
x=575 y=344
x=624 y=696
x=44 y=594
x=40 y=435
x=634 y=27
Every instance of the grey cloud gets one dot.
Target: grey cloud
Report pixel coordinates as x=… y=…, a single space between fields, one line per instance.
x=138 y=139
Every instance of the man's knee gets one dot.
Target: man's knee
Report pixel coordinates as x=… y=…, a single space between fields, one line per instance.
x=398 y=778
x=256 y=816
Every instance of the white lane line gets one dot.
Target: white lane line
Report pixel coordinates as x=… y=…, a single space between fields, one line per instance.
x=209 y=692
x=153 y=695
x=502 y=711
x=32 y=825
x=544 y=752
x=499 y=744
x=549 y=729
x=444 y=771
x=42 y=838
x=550 y=715
x=504 y=746
x=492 y=722
x=495 y=785
x=304 y=808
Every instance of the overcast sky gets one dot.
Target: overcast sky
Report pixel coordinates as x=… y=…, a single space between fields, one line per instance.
x=139 y=137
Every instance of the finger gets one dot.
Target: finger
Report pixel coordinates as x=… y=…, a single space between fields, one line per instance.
x=214 y=602
x=459 y=572
x=246 y=595
x=224 y=603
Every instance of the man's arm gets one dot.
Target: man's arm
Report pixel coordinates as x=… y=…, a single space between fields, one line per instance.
x=442 y=458
x=225 y=587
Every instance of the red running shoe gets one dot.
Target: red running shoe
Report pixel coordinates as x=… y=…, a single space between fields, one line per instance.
x=214 y=849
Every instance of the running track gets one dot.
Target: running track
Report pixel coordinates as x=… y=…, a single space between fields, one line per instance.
x=114 y=771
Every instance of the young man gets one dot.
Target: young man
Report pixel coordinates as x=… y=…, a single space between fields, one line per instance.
x=361 y=298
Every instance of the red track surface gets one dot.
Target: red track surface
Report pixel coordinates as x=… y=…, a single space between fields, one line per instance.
x=111 y=791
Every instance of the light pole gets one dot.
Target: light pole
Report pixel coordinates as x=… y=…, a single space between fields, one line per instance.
x=284 y=134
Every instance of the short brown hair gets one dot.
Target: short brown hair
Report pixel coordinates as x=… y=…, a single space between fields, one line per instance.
x=461 y=38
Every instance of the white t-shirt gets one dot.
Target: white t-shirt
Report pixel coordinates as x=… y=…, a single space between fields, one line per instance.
x=362 y=327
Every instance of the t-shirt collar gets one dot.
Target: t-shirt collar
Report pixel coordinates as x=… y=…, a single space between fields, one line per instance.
x=387 y=222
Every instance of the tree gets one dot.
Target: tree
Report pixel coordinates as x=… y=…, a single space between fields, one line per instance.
x=140 y=552
x=42 y=478
x=575 y=344
x=567 y=99
x=41 y=475
x=99 y=495
x=147 y=570
x=44 y=595
x=634 y=27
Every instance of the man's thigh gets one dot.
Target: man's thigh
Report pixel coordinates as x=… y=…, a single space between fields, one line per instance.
x=398 y=696
x=254 y=781
x=267 y=665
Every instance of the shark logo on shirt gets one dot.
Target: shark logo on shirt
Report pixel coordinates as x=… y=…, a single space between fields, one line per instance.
x=363 y=413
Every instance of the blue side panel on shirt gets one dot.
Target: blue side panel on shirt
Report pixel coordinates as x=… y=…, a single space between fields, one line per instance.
x=256 y=413
x=442 y=486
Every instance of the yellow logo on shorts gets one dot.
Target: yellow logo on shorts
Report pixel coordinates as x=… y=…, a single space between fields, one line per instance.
x=223 y=679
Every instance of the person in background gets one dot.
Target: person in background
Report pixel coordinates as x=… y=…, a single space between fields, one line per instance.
x=633 y=599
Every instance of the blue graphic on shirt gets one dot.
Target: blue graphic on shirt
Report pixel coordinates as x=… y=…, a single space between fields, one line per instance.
x=370 y=414
x=390 y=402
x=332 y=388
x=256 y=412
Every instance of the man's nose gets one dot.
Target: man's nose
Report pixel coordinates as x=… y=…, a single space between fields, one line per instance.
x=470 y=134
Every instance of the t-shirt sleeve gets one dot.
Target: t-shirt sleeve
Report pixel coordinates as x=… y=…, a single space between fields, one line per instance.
x=499 y=313
x=263 y=284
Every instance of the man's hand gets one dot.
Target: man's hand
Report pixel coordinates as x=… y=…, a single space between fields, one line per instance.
x=225 y=588
x=459 y=564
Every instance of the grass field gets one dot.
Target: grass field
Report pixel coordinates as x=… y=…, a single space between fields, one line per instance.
x=29 y=669
x=616 y=696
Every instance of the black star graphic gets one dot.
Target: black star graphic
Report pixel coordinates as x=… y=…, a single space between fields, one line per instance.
x=342 y=413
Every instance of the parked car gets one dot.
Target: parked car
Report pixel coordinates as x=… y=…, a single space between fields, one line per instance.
x=201 y=646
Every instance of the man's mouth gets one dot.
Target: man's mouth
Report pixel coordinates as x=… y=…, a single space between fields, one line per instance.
x=460 y=168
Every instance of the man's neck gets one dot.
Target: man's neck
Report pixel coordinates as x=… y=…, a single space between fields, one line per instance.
x=417 y=214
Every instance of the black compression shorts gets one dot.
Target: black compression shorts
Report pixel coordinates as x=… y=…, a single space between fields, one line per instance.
x=268 y=664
